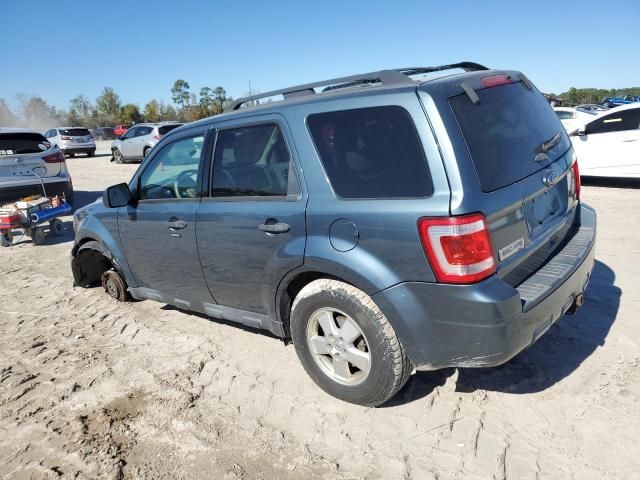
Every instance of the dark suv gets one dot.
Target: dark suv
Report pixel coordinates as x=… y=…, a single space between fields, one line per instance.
x=383 y=221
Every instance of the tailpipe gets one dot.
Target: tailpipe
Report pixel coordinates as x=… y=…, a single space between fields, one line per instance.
x=577 y=303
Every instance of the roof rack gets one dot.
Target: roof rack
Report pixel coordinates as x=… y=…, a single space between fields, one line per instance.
x=395 y=76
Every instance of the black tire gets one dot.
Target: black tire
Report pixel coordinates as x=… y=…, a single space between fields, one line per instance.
x=114 y=285
x=390 y=367
x=117 y=156
x=38 y=235
x=91 y=153
x=6 y=238
x=57 y=227
x=71 y=155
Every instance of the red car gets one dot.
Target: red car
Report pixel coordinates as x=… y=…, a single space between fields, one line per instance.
x=120 y=129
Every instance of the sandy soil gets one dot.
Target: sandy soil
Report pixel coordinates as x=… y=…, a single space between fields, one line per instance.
x=90 y=388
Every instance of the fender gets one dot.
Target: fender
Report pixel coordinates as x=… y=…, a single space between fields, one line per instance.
x=101 y=226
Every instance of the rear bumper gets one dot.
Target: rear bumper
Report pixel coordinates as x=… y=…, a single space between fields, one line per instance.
x=13 y=193
x=87 y=148
x=488 y=323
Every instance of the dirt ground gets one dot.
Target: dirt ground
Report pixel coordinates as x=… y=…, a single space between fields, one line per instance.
x=90 y=388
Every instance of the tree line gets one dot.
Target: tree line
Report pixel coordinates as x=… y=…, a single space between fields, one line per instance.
x=577 y=96
x=108 y=110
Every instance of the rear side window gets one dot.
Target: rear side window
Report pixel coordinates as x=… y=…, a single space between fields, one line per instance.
x=616 y=122
x=166 y=129
x=564 y=115
x=371 y=153
x=18 y=143
x=505 y=132
x=74 y=132
x=252 y=161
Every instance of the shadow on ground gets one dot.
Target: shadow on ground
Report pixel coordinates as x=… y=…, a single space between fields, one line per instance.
x=555 y=356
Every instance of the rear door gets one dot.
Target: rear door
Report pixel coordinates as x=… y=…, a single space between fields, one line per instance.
x=251 y=228
x=514 y=159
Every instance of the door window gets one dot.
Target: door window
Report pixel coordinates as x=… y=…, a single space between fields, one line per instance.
x=252 y=161
x=132 y=132
x=173 y=172
x=616 y=122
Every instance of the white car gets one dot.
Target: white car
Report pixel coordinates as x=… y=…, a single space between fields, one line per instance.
x=72 y=140
x=609 y=145
x=30 y=165
x=571 y=118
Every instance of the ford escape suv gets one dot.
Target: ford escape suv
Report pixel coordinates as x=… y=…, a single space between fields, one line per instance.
x=410 y=218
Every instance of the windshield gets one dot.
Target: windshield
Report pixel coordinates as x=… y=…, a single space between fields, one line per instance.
x=17 y=143
x=509 y=133
x=74 y=132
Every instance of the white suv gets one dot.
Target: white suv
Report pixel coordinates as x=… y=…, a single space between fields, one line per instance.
x=30 y=165
x=138 y=141
x=72 y=140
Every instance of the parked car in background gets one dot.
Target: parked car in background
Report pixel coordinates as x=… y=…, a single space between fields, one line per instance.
x=336 y=218
x=104 y=133
x=27 y=162
x=572 y=118
x=72 y=140
x=591 y=108
x=139 y=140
x=617 y=101
x=120 y=130
x=609 y=145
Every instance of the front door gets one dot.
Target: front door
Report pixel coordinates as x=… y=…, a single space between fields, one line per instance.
x=611 y=146
x=251 y=228
x=158 y=233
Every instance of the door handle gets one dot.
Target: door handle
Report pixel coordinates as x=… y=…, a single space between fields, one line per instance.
x=630 y=140
x=273 y=226
x=175 y=224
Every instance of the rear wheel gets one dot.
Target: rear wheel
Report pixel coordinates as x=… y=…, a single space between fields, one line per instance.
x=38 y=235
x=146 y=152
x=6 y=238
x=91 y=153
x=57 y=227
x=71 y=155
x=117 y=156
x=346 y=344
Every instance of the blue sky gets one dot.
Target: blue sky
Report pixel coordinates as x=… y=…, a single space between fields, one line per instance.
x=63 y=48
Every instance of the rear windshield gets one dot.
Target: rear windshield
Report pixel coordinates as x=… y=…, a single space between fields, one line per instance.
x=74 y=132
x=17 y=143
x=163 y=130
x=371 y=153
x=505 y=133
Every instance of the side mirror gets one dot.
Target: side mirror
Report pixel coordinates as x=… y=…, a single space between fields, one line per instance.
x=582 y=131
x=117 y=196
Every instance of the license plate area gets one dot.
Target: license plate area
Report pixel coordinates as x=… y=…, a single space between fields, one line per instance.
x=545 y=207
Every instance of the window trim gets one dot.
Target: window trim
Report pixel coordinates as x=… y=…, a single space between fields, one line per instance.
x=357 y=199
x=151 y=158
x=247 y=123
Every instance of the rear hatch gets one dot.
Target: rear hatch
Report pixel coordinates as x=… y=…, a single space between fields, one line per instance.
x=519 y=169
x=76 y=135
x=21 y=153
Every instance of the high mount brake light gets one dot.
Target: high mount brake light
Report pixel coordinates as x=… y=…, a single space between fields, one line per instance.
x=495 y=80
x=458 y=248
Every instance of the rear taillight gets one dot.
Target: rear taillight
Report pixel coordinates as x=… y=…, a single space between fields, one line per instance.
x=495 y=80
x=576 y=177
x=57 y=157
x=65 y=138
x=157 y=137
x=458 y=248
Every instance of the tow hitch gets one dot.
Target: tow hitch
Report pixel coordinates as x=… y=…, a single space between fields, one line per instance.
x=577 y=303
